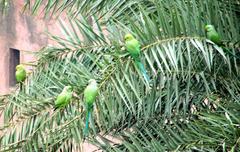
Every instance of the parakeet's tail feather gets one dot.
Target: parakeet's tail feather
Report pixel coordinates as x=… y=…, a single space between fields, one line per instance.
x=85 y=132
x=21 y=86
x=235 y=44
x=230 y=52
x=143 y=70
x=55 y=108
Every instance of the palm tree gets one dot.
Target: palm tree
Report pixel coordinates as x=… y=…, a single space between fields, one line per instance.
x=192 y=103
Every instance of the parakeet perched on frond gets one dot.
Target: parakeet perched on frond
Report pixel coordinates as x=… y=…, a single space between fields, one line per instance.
x=213 y=35
x=64 y=97
x=20 y=75
x=133 y=47
x=90 y=94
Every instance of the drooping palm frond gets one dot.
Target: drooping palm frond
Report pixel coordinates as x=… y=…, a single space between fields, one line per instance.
x=176 y=112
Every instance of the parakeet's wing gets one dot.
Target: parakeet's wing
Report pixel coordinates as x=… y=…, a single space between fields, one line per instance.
x=61 y=100
x=90 y=94
x=133 y=47
x=68 y=97
x=214 y=36
x=20 y=75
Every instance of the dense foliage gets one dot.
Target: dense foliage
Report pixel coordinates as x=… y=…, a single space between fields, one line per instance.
x=191 y=104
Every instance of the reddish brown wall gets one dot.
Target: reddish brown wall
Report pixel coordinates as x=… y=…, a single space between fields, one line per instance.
x=22 y=32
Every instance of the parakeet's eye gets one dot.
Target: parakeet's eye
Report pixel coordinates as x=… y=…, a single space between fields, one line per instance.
x=209 y=27
x=18 y=67
x=128 y=37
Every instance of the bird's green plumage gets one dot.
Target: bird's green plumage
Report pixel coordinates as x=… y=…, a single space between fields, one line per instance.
x=21 y=73
x=133 y=47
x=213 y=35
x=64 y=97
x=90 y=94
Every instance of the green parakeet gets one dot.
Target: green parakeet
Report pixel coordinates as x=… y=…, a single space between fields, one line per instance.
x=133 y=47
x=213 y=35
x=64 y=97
x=20 y=74
x=90 y=94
